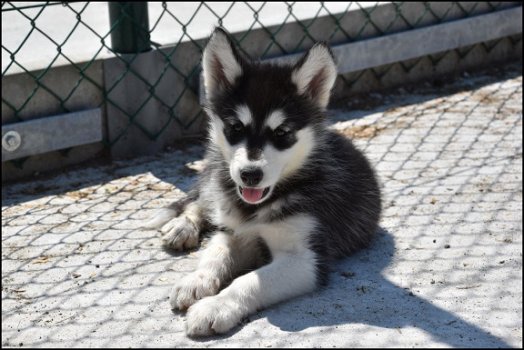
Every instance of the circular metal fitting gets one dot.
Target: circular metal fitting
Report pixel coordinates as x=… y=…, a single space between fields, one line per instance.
x=11 y=141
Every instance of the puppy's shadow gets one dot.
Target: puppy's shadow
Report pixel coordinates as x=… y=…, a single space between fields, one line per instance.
x=358 y=293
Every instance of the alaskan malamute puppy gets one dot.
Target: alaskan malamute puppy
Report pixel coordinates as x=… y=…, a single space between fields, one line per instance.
x=282 y=194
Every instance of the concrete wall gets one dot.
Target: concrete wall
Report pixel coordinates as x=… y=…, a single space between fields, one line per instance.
x=65 y=90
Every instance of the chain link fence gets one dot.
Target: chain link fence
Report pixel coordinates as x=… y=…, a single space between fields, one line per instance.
x=149 y=96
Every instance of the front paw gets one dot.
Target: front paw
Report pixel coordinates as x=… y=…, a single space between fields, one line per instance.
x=216 y=314
x=180 y=233
x=192 y=288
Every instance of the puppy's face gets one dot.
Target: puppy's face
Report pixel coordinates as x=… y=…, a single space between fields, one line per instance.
x=260 y=153
x=263 y=117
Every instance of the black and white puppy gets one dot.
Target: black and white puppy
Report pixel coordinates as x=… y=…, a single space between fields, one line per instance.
x=281 y=194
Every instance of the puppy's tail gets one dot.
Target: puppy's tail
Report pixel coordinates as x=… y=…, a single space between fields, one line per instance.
x=160 y=218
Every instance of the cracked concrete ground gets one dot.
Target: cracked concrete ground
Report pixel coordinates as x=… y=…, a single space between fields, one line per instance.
x=446 y=269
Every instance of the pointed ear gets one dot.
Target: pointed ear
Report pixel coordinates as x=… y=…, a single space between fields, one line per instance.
x=315 y=73
x=221 y=63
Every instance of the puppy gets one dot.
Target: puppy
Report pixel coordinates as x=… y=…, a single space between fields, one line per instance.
x=281 y=194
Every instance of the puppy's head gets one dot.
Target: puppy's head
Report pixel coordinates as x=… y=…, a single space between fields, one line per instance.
x=263 y=117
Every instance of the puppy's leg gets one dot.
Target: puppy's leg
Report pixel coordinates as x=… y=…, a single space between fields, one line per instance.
x=288 y=275
x=225 y=257
x=293 y=271
x=180 y=223
x=183 y=231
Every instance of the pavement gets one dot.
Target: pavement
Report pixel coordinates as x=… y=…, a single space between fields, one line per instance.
x=445 y=270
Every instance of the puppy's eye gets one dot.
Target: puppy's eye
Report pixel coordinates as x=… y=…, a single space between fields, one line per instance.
x=282 y=131
x=234 y=126
x=237 y=127
x=234 y=131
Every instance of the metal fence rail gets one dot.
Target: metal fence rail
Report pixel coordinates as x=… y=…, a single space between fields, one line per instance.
x=147 y=84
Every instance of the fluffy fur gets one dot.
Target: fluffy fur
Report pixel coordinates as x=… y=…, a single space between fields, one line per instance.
x=281 y=193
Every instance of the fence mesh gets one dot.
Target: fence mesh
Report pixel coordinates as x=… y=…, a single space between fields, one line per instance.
x=188 y=25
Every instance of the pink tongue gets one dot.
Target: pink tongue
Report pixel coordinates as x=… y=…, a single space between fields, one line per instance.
x=252 y=194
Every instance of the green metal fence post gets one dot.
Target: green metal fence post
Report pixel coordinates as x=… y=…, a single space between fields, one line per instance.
x=130 y=23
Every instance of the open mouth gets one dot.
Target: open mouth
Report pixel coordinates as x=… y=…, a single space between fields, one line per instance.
x=253 y=195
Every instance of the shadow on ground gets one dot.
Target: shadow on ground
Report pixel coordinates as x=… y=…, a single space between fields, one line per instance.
x=365 y=296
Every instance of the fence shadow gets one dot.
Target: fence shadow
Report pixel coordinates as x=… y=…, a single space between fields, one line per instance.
x=77 y=272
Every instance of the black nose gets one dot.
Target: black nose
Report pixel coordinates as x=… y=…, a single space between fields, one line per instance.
x=251 y=176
